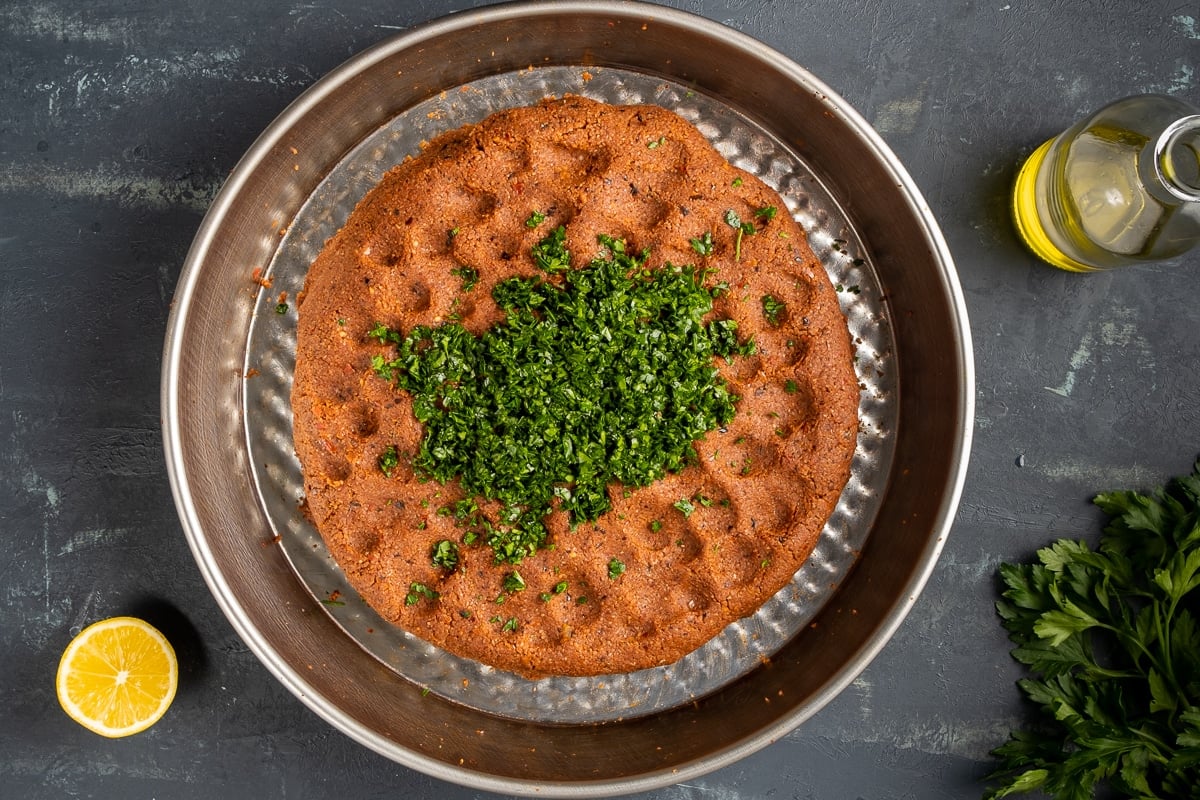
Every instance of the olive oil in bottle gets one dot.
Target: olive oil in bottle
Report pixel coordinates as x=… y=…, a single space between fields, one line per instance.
x=1120 y=187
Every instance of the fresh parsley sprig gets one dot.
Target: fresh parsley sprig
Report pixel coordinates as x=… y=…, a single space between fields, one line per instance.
x=1112 y=639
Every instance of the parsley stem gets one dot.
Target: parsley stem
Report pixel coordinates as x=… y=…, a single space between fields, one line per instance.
x=1164 y=638
x=1134 y=645
x=1158 y=745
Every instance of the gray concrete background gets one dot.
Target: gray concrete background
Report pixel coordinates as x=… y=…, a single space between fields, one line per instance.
x=118 y=122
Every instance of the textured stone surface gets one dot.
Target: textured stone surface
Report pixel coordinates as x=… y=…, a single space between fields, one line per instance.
x=118 y=122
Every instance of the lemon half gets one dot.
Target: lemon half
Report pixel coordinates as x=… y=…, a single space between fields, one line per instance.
x=117 y=677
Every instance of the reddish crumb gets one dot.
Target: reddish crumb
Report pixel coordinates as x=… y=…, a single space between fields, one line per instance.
x=257 y=277
x=251 y=373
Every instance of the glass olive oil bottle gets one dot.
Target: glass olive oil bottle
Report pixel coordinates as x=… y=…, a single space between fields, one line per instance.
x=1119 y=187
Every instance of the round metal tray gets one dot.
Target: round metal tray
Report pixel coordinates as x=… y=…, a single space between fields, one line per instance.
x=744 y=643
x=237 y=483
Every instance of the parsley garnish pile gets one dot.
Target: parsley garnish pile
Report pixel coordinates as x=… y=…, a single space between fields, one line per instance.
x=1112 y=638
x=597 y=375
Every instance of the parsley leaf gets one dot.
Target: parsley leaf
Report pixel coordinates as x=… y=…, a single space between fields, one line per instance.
x=703 y=244
x=743 y=229
x=772 y=308
x=445 y=554
x=551 y=253
x=513 y=582
x=416 y=591
x=468 y=275
x=616 y=568
x=389 y=459
x=1112 y=641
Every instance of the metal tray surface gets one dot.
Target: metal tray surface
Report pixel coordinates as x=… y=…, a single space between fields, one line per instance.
x=235 y=480
x=744 y=644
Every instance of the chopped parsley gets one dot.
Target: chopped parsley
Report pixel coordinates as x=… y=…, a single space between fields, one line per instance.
x=655 y=143
x=559 y=588
x=551 y=253
x=416 y=591
x=766 y=214
x=389 y=460
x=468 y=275
x=723 y=333
x=772 y=308
x=734 y=221
x=790 y=386
x=616 y=568
x=655 y=525
x=597 y=376
x=743 y=229
x=685 y=506
x=281 y=308
x=736 y=182
x=510 y=624
x=535 y=218
x=703 y=244
x=513 y=582
x=445 y=554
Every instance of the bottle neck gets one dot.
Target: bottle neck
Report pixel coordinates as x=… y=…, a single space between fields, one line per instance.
x=1177 y=159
